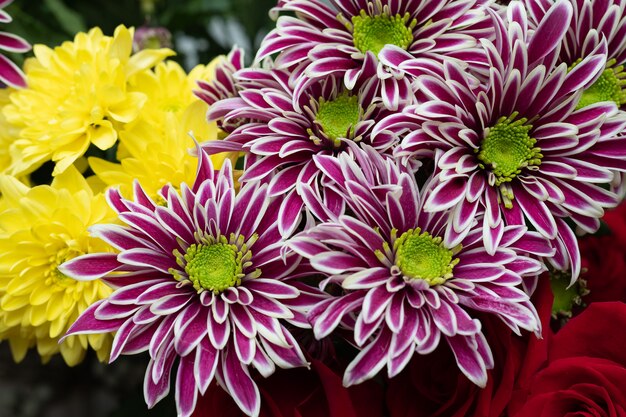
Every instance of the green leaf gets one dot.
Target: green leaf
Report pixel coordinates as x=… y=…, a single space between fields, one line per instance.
x=70 y=21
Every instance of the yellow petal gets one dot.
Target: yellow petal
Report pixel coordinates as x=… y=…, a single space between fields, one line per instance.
x=122 y=45
x=10 y=219
x=96 y=184
x=22 y=285
x=13 y=303
x=102 y=135
x=37 y=315
x=47 y=346
x=68 y=301
x=40 y=202
x=127 y=110
x=66 y=157
x=113 y=94
x=19 y=346
x=70 y=180
x=43 y=54
x=12 y=188
x=73 y=355
x=57 y=327
x=54 y=309
x=103 y=343
x=109 y=172
x=145 y=59
x=194 y=120
x=12 y=318
x=40 y=295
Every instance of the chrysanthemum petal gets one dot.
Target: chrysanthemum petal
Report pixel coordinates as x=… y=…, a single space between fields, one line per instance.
x=369 y=361
x=550 y=31
x=87 y=322
x=191 y=332
x=186 y=392
x=273 y=288
x=330 y=317
x=470 y=363
x=375 y=303
x=219 y=333
x=155 y=391
x=446 y=194
x=90 y=266
x=537 y=213
x=336 y=262
x=240 y=385
x=11 y=74
x=205 y=365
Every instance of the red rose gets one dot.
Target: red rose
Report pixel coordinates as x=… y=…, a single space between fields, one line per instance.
x=605 y=260
x=301 y=393
x=433 y=386
x=616 y=221
x=586 y=370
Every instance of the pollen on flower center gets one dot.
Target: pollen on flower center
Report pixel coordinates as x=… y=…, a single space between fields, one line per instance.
x=422 y=256
x=610 y=86
x=213 y=267
x=372 y=33
x=507 y=148
x=53 y=275
x=338 y=116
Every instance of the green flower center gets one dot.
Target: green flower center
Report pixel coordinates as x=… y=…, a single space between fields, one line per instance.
x=212 y=267
x=611 y=86
x=372 y=33
x=507 y=148
x=339 y=116
x=55 y=277
x=422 y=256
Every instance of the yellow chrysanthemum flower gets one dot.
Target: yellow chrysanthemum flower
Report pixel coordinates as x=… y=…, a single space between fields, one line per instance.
x=77 y=95
x=40 y=228
x=155 y=148
x=8 y=132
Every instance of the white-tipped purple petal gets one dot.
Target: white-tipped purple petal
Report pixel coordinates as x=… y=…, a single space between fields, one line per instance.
x=336 y=262
x=240 y=385
x=369 y=361
x=91 y=266
x=155 y=391
x=537 y=213
x=88 y=324
x=186 y=392
x=470 y=362
x=446 y=194
x=550 y=31
x=329 y=319
x=375 y=303
x=205 y=365
x=219 y=333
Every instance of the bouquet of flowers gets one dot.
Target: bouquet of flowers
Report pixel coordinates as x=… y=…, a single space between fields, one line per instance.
x=397 y=209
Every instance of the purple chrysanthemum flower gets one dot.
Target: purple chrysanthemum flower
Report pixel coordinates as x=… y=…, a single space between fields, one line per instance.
x=515 y=144
x=344 y=38
x=593 y=22
x=223 y=87
x=282 y=132
x=407 y=282
x=11 y=74
x=200 y=278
